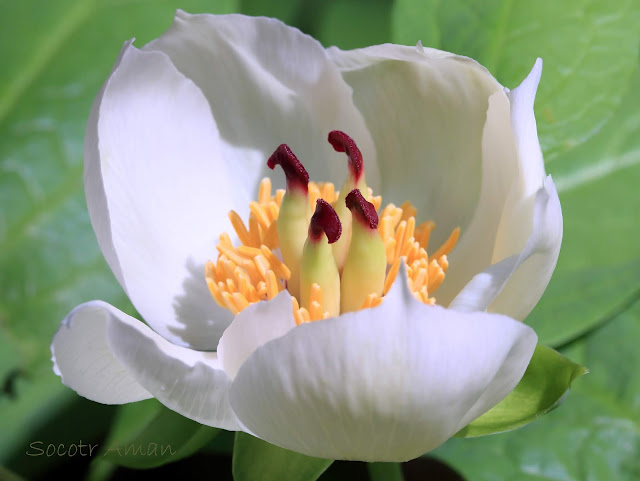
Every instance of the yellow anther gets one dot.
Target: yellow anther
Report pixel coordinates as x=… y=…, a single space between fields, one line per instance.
x=240 y=301
x=408 y=211
x=230 y=253
x=328 y=192
x=254 y=231
x=248 y=252
x=258 y=211
x=276 y=264
x=272 y=211
x=262 y=264
x=229 y=304
x=215 y=292
x=399 y=238
x=273 y=286
x=448 y=245
x=239 y=227
x=315 y=293
x=444 y=263
x=314 y=194
x=231 y=286
x=315 y=311
x=390 y=249
x=229 y=267
x=225 y=240
x=261 y=289
x=270 y=238
x=391 y=277
x=423 y=232
x=264 y=193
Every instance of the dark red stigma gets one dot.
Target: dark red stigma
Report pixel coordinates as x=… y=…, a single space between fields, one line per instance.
x=325 y=220
x=297 y=176
x=361 y=209
x=341 y=142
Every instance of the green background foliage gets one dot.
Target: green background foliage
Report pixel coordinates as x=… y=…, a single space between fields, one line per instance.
x=56 y=54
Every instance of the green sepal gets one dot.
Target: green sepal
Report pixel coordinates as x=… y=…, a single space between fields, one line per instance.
x=146 y=434
x=540 y=390
x=255 y=459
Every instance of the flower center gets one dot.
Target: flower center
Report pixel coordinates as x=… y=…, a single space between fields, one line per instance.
x=255 y=270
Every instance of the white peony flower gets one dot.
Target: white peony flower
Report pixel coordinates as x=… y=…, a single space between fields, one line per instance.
x=180 y=134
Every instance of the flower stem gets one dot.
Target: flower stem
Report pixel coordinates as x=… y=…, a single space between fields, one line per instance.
x=385 y=471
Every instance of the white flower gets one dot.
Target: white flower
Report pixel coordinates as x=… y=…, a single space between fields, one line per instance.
x=179 y=135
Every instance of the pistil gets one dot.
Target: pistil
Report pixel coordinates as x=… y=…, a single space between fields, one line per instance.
x=293 y=218
x=366 y=263
x=318 y=268
x=341 y=142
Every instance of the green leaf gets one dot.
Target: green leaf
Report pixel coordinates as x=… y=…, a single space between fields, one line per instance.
x=545 y=381
x=354 y=23
x=577 y=301
x=589 y=50
x=49 y=257
x=43 y=414
x=594 y=435
x=146 y=435
x=256 y=459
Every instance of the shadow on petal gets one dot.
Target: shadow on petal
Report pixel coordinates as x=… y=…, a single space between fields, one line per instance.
x=202 y=320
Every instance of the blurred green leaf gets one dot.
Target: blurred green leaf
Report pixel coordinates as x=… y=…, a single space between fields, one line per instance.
x=545 y=381
x=55 y=55
x=43 y=412
x=589 y=51
x=354 y=23
x=289 y=11
x=577 y=301
x=146 y=435
x=593 y=436
x=256 y=459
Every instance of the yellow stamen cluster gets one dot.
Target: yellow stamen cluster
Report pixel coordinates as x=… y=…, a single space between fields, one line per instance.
x=251 y=271
x=402 y=239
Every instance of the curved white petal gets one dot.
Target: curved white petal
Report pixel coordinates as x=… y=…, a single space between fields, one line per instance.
x=426 y=112
x=515 y=225
x=253 y=327
x=527 y=242
x=158 y=194
x=383 y=384
x=474 y=251
x=514 y=285
x=523 y=121
x=83 y=359
x=268 y=84
x=110 y=357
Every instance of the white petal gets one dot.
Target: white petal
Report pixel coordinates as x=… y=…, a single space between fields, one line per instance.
x=514 y=285
x=516 y=223
x=84 y=361
x=426 y=112
x=268 y=84
x=383 y=384
x=253 y=327
x=523 y=121
x=110 y=357
x=474 y=251
x=158 y=194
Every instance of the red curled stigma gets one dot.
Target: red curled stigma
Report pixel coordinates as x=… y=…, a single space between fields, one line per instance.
x=325 y=220
x=362 y=210
x=341 y=142
x=294 y=171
